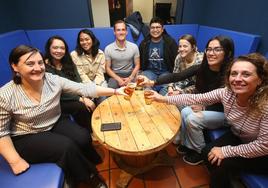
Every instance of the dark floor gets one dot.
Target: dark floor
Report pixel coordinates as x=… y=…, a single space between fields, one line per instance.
x=180 y=175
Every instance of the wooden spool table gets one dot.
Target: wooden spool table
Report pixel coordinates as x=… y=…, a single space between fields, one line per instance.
x=146 y=130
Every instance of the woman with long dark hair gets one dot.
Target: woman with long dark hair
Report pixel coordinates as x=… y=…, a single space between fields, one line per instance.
x=58 y=61
x=89 y=59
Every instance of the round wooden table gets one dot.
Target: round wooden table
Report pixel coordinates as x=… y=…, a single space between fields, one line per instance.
x=146 y=129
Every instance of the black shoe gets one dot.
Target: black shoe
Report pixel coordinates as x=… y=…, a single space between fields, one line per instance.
x=97 y=182
x=193 y=158
x=181 y=149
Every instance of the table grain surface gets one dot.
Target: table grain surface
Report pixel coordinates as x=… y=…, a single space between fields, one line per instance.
x=144 y=128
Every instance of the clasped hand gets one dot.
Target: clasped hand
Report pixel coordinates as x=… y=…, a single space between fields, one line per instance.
x=215 y=156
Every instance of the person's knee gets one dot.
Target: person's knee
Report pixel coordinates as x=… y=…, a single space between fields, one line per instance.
x=67 y=146
x=193 y=122
x=185 y=112
x=83 y=138
x=112 y=83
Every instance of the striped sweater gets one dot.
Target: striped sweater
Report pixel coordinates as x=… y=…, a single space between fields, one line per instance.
x=19 y=115
x=251 y=128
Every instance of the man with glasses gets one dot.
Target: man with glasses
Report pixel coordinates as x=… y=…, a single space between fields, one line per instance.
x=157 y=52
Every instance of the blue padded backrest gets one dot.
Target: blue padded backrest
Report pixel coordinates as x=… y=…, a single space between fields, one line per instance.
x=5 y=71
x=8 y=41
x=38 y=38
x=105 y=35
x=43 y=175
x=244 y=43
x=176 y=31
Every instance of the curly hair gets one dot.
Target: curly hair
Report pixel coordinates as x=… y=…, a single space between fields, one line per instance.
x=260 y=97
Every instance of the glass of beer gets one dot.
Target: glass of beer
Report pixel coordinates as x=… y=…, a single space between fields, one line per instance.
x=129 y=90
x=139 y=79
x=148 y=92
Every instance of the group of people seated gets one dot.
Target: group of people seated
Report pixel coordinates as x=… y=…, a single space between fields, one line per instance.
x=46 y=109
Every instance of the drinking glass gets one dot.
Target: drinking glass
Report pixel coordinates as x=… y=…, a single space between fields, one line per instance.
x=129 y=90
x=148 y=92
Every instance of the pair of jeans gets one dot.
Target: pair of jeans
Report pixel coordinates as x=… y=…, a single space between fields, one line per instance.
x=192 y=125
x=152 y=76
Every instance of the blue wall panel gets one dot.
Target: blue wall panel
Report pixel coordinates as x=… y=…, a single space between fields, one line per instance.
x=240 y=15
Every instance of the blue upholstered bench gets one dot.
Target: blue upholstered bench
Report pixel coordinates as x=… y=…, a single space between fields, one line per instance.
x=45 y=175
x=250 y=180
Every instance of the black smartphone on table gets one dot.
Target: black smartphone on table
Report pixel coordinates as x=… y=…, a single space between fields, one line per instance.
x=110 y=126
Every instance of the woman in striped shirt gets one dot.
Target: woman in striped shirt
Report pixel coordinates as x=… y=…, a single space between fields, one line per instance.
x=245 y=101
x=32 y=129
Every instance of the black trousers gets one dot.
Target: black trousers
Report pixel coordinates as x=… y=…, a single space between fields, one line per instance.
x=79 y=112
x=67 y=144
x=231 y=167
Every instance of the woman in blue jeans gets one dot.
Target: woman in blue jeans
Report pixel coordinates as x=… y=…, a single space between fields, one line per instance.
x=209 y=75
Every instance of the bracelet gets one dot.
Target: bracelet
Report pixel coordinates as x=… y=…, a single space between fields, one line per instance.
x=114 y=91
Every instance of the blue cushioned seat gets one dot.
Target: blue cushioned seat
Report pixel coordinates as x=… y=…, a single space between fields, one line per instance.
x=254 y=180
x=45 y=175
x=216 y=133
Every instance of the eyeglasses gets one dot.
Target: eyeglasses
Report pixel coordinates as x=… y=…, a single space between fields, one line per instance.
x=155 y=27
x=216 y=50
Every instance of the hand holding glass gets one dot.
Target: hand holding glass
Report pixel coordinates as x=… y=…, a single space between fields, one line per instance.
x=139 y=80
x=147 y=94
x=129 y=90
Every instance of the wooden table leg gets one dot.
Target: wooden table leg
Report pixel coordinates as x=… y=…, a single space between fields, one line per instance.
x=133 y=165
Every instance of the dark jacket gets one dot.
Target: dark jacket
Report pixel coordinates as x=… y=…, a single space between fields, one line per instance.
x=170 y=51
x=136 y=25
x=210 y=83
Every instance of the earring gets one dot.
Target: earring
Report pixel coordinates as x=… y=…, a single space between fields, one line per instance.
x=17 y=74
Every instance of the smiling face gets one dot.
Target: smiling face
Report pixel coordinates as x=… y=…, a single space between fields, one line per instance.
x=57 y=49
x=120 y=31
x=185 y=48
x=85 y=41
x=243 y=79
x=31 y=67
x=156 y=30
x=215 y=55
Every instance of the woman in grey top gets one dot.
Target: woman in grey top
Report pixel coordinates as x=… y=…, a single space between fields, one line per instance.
x=32 y=129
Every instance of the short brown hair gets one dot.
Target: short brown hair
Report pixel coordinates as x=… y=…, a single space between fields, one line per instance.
x=120 y=21
x=15 y=56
